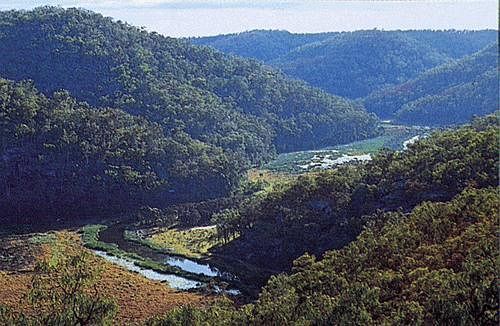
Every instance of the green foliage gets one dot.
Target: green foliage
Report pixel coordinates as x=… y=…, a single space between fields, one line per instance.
x=264 y=45
x=448 y=94
x=221 y=312
x=90 y=238
x=237 y=105
x=415 y=77
x=423 y=259
x=64 y=291
x=318 y=212
x=190 y=120
x=227 y=222
x=435 y=265
x=62 y=158
x=185 y=214
x=360 y=62
x=352 y=64
x=194 y=242
x=44 y=238
x=393 y=137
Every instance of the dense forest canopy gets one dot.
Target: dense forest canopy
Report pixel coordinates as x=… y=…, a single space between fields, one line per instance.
x=235 y=104
x=435 y=265
x=352 y=64
x=205 y=117
x=422 y=247
x=448 y=94
x=61 y=158
x=326 y=210
x=355 y=64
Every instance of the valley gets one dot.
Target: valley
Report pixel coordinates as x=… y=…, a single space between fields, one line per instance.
x=185 y=264
x=394 y=137
x=257 y=178
x=186 y=274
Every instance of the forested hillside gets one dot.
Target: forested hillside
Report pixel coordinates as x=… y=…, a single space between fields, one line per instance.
x=60 y=158
x=326 y=210
x=235 y=104
x=455 y=44
x=436 y=265
x=448 y=94
x=353 y=64
x=430 y=261
x=264 y=45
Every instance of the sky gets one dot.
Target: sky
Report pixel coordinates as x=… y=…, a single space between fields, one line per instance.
x=181 y=18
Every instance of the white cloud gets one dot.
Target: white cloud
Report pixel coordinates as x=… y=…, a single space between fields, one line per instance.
x=172 y=4
x=209 y=17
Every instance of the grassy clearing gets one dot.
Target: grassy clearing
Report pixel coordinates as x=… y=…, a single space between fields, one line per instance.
x=267 y=177
x=90 y=238
x=193 y=243
x=392 y=138
x=258 y=181
x=132 y=236
x=43 y=238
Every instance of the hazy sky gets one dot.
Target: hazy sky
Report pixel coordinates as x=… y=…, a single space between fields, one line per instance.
x=210 y=17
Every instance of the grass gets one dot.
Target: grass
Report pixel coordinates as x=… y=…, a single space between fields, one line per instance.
x=392 y=138
x=195 y=244
x=90 y=238
x=137 y=297
x=268 y=178
x=371 y=145
x=132 y=236
x=192 y=243
x=43 y=238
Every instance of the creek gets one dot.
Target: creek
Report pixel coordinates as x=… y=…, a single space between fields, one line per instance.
x=114 y=235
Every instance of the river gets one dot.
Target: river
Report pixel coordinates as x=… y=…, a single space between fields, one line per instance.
x=114 y=235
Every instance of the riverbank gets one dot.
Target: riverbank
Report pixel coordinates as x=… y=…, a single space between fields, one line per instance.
x=137 y=297
x=183 y=273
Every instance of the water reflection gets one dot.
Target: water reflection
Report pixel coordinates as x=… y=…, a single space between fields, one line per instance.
x=192 y=266
x=176 y=282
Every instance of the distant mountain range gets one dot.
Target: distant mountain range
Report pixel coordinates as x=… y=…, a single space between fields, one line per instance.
x=368 y=63
x=450 y=93
x=352 y=64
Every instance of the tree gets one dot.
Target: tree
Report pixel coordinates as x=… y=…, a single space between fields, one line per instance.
x=64 y=290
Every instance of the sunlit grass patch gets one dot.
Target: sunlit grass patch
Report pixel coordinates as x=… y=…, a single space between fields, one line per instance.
x=90 y=238
x=195 y=242
x=43 y=238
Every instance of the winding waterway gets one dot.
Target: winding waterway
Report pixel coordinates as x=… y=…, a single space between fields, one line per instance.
x=176 y=282
x=114 y=235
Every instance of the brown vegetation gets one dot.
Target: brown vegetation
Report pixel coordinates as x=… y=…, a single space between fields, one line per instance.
x=137 y=298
